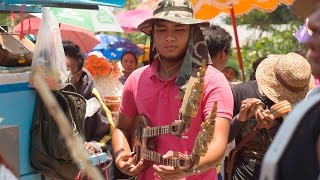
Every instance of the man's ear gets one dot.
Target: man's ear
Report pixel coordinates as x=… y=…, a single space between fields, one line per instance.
x=221 y=55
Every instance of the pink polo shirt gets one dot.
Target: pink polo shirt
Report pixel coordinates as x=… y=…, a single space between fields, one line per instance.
x=146 y=93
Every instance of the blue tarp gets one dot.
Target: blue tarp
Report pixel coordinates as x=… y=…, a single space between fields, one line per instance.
x=65 y=3
x=15 y=8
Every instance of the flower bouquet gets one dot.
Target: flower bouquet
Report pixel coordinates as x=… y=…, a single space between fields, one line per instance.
x=106 y=75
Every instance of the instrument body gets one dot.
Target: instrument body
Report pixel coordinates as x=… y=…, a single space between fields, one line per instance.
x=144 y=146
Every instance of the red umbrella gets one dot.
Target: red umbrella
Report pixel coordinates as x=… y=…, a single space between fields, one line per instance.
x=84 y=38
x=129 y=20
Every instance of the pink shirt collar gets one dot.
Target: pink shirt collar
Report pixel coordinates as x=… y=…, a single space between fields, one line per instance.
x=154 y=70
x=154 y=66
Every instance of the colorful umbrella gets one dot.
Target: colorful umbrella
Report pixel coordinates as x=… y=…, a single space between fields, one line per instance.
x=205 y=9
x=129 y=20
x=93 y=20
x=84 y=38
x=113 y=47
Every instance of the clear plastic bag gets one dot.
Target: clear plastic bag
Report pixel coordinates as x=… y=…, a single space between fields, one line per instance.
x=49 y=58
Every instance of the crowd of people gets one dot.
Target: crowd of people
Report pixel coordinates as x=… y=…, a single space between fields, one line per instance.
x=179 y=44
x=154 y=92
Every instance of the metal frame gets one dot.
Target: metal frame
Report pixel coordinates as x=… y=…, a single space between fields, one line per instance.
x=68 y=3
x=17 y=8
x=34 y=6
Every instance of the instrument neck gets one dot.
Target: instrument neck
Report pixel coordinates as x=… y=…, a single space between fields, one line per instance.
x=159 y=130
x=157 y=157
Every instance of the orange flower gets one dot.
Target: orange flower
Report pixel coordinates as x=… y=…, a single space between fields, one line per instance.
x=100 y=66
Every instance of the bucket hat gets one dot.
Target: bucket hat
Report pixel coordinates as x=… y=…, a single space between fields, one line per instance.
x=234 y=66
x=177 y=11
x=285 y=77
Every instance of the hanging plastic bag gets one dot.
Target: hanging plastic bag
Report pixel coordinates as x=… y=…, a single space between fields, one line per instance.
x=49 y=58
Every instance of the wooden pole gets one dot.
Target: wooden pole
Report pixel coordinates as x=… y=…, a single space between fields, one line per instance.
x=234 y=25
x=74 y=143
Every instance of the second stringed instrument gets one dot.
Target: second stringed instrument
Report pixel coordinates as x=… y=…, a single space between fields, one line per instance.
x=279 y=109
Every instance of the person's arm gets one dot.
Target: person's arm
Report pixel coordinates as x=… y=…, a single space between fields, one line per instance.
x=121 y=141
x=235 y=128
x=121 y=137
x=239 y=120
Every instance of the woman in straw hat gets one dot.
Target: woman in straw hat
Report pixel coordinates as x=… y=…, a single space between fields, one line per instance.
x=278 y=77
x=301 y=157
x=177 y=48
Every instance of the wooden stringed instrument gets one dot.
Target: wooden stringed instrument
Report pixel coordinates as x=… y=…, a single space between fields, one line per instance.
x=143 y=145
x=279 y=109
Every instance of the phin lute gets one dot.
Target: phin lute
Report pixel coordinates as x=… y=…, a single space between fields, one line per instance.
x=143 y=144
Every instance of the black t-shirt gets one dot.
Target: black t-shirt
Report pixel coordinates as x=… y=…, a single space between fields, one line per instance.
x=239 y=130
x=244 y=169
x=247 y=90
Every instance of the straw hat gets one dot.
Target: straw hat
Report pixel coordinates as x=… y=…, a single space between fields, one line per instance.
x=303 y=8
x=178 y=11
x=285 y=77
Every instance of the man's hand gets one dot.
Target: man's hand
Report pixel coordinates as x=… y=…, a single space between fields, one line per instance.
x=265 y=119
x=125 y=163
x=247 y=109
x=163 y=172
x=92 y=147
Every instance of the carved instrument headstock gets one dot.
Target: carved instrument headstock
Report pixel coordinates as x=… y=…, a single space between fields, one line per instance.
x=191 y=100
x=204 y=137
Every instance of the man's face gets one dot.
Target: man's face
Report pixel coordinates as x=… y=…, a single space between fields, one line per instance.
x=129 y=63
x=224 y=59
x=72 y=64
x=230 y=74
x=314 y=42
x=171 y=39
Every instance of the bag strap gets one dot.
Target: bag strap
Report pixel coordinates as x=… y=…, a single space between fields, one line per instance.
x=234 y=152
x=106 y=138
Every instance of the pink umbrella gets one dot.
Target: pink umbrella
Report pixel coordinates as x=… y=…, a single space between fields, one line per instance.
x=84 y=38
x=147 y=4
x=129 y=20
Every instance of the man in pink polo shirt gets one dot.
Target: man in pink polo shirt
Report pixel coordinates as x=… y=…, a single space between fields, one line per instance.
x=177 y=47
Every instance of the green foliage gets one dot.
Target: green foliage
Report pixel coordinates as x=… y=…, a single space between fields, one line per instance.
x=280 y=42
x=4 y=18
x=138 y=38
